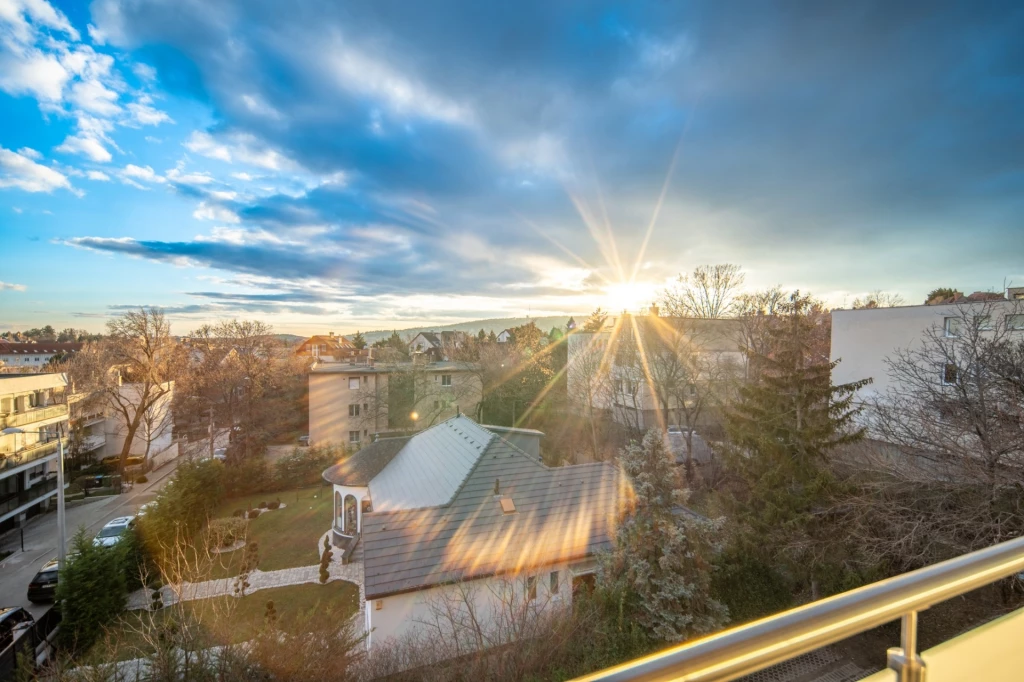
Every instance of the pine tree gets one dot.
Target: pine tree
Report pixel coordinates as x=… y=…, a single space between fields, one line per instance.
x=660 y=567
x=782 y=430
x=358 y=341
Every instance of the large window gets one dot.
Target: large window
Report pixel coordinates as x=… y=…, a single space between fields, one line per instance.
x=446 y=379
x=353 y=437
x=950 y=373
x=1015 y=322
x=553 y=578
x=953 y=325
x=351 y=515
x=531 y=588
x=339 y=522
x=353 y=382
x=353 y=410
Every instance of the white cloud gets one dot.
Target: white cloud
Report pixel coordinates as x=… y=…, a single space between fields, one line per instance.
x=195 y=178
x=95 y=97
x=16 y=209
x=23 y=173
x=242 y=176
x=257 y=105
x=19 y=13
x=207 y=211
x=145 y=115
x=240 y=147
x=7 y=286
x=30 y=153
x=97 y=175
x=25 y=70
x=153 y=140
x=86 y=145
x=144 y=173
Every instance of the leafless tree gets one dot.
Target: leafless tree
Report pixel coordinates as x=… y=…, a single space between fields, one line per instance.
x=950 y=479
x=589 y=381
x=709 y=292
x=139 y=351
x=878 y=299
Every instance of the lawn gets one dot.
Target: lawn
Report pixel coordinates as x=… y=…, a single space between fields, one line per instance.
x=227 y=620
x=286 y=537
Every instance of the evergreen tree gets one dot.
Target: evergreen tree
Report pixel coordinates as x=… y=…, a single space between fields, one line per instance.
x=91 y=592
x=325 y=561
x=595 y=322
x=781 y=431
x=358 y=341
x=492 y=337
x=481 y=335
x=660 y=566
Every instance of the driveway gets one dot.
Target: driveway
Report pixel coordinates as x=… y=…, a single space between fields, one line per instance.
x=41 y=536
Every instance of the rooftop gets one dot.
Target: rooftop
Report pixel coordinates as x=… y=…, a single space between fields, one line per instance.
x=387 y=368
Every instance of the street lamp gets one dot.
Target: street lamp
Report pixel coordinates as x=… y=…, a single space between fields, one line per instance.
x=62 y=549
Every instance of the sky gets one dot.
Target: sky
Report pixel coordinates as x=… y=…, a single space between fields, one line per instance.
x=326 y=165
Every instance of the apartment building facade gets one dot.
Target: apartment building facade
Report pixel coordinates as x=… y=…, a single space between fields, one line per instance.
x=34 y=413
x=32 y=356
x=865 y=340
x=349 y=405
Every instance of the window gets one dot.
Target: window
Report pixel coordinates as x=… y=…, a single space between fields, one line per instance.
x=950 y=374
x=953 y=325
x=353 y=436
x=531 y=588
x=1015 y=322
x=446 y=379
x=351 y=515
x=553 y=585
x=353 y=410
x=353 y=382
x=339 y=522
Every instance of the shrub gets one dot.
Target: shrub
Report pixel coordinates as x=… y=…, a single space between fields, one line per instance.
x=141 y=479
x=253 y=513
x=92 y=591
x=304 y=466
x=225 y=532
x=239 y=513
x=274 y=505
x=263 y=505
x=247 y=476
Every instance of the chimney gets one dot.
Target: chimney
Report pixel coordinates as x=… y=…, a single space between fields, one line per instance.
x=330 y=333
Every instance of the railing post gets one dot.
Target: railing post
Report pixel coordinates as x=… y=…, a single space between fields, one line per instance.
x=904 y=659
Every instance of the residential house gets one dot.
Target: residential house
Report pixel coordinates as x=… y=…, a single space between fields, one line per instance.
x=505 y=336
x=154 y=440
x=34 y=405
x=437 y=346
x=349 y=405
x=333 y=348
x=617 y=369
x=33 y=356
x=459 y=505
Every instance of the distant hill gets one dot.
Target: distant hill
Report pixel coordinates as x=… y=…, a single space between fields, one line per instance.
x=291 y=338
x=496 y=325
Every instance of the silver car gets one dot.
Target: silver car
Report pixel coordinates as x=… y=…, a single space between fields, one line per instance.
x=115 y=529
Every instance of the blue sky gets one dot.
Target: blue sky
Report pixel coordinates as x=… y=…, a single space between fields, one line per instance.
x=325 y=165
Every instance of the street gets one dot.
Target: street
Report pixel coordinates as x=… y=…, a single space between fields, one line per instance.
x=41 y=536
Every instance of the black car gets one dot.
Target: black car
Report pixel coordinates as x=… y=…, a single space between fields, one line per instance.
x=13 y=621
x=44 y=585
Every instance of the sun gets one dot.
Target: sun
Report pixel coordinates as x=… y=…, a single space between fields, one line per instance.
x=628 y=296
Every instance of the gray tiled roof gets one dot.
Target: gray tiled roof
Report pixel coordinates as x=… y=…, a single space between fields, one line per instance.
x=562 y=514
x=431 y=466
x=358 y=469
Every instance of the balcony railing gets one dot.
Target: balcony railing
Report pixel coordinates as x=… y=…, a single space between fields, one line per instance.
x=34 y=493
x=32 y=453
x=749 y=648
x=36 y=414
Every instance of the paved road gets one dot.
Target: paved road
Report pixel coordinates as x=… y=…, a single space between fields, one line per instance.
x=41 y=536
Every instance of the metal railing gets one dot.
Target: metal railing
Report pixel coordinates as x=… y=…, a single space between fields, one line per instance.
x=752 y=647
x=36 y=414
x=34 y=493
x=33 y=452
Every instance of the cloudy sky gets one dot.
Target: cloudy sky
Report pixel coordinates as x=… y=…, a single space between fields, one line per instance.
x=329 y=165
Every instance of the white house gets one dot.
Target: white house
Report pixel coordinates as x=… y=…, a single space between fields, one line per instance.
x=505 y=336
x=459 y=504
x=33 y=356
x=154 y=439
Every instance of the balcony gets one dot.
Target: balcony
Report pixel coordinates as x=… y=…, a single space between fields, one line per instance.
x=36 y=414
x=32 y=453
x=989 y=652
x=33 y=494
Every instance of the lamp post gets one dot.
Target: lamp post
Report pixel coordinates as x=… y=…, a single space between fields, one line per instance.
x=62 y=548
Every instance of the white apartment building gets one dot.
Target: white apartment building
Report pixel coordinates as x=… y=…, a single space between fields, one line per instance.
x=32 y=356
x=864 y=339
x=34 y=404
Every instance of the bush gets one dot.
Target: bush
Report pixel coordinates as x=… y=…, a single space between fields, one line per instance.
x=141 y=479
x=304 y=466
x=751 y=588
x=225 y=532
x=247 y=476
x=263 y=505
x=238 y=513
x=274 y=505
x=184 y=504
x=253 y=513
x=92 y=591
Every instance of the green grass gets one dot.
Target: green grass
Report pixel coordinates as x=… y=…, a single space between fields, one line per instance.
x=287 y=538
x=228 y=620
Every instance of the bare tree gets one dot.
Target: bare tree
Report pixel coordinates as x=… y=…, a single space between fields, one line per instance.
x=139 y=351
x=878 y=299
x=708 y=292
x=951 y=480
x=589 y=381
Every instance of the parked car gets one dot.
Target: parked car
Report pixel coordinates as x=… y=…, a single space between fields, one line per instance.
x=304 y=441
x=141 y=511
x=112 y=533
x=14 y=620
x=44 y=585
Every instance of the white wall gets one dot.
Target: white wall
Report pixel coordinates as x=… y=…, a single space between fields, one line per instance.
x=863 y=339
x=155 y=429
x=405 y=615
x=360 y=494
